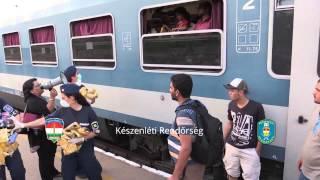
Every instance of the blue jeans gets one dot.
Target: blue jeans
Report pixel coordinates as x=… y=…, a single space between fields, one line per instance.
x=303 y=177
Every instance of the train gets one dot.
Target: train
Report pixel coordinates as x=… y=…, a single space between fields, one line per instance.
x=121 y=50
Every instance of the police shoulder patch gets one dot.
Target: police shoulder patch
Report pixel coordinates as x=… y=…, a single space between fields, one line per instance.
x=95 y=127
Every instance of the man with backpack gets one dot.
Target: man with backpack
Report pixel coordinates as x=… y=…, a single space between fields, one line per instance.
x=242 y=146
x=196 y=138
x=180 y=143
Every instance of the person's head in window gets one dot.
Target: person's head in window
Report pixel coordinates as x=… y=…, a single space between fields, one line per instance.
x=204 y=13
x=182 y=17
x=70 y=93
x=204 y=10
x=31 y=87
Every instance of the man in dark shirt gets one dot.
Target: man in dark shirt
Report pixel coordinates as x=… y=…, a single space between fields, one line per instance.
x=14 y=163
x=242 y=147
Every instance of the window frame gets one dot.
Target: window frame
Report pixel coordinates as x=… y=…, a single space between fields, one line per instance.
x=223 y=32
x=44 y=63
x=278 y=7
x=112 y=35
x=8 y=62
x=272 y=9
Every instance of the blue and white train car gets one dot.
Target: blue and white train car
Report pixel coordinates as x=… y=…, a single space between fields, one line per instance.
x=121 y=51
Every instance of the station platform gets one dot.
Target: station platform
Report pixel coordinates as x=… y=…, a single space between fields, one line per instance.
x=113 y=167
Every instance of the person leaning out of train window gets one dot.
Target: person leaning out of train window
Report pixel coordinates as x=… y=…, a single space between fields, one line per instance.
x=73 y=76
x=80 y=111
x=240 y=133
x=180 y=143
x=13 y=162
x=309 y=161
x=37 y=105
x=204 y=13
x=182 y=17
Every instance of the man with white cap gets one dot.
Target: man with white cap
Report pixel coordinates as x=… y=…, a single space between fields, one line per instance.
x=240 y=133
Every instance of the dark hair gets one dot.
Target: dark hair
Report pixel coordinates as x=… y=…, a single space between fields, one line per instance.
x=183 y=12
x=206 y=6
x=69 y=72
x=79 y=98
x=27 y=87
x=183 y=83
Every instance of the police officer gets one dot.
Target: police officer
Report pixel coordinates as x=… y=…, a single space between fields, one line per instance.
x=80 y=111
x=14 y=162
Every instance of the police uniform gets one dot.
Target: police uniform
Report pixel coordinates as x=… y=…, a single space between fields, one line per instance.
x=87 y=118
x=14 y=163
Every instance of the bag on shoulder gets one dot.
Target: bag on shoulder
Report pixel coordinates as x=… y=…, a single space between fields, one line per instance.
x=208 y=148
x=28 y=117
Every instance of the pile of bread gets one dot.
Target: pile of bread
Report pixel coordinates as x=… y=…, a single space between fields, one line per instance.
x=6 y=149
x=90 y=94
x=74 y=130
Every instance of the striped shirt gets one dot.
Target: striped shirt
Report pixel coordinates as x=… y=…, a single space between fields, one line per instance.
x=184 y=124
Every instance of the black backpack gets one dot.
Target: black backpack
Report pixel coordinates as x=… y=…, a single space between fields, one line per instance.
x=207 y=149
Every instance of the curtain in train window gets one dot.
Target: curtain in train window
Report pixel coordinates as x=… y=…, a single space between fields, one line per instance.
x=186 y=37
x=92 y=42
x=12 y=48
x=43 y=46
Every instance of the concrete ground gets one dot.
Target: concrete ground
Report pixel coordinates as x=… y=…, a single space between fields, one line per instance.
x=113 y=169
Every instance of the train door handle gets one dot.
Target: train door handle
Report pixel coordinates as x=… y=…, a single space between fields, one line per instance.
x=302 y=120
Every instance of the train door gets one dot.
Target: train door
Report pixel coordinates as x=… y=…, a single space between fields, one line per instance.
x=305 y=50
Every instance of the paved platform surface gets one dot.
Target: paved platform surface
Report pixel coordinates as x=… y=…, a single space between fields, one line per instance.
x=113 y=169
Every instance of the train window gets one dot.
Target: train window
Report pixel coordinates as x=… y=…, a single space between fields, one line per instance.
x=282 y=42
x=200 y=50
x=43 y=46
x=92 y=42
x=12 y=48
x=183 y=37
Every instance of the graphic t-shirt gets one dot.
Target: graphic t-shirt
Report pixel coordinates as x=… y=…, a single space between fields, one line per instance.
x=245 y=120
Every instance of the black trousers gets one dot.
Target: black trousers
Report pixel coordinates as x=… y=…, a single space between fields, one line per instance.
x=15 y=166
x=46 y=154
x=86 y=158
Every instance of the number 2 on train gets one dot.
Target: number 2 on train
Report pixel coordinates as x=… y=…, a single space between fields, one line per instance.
x=248 y=5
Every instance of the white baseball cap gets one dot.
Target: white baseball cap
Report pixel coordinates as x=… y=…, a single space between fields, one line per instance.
x=237 y=83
